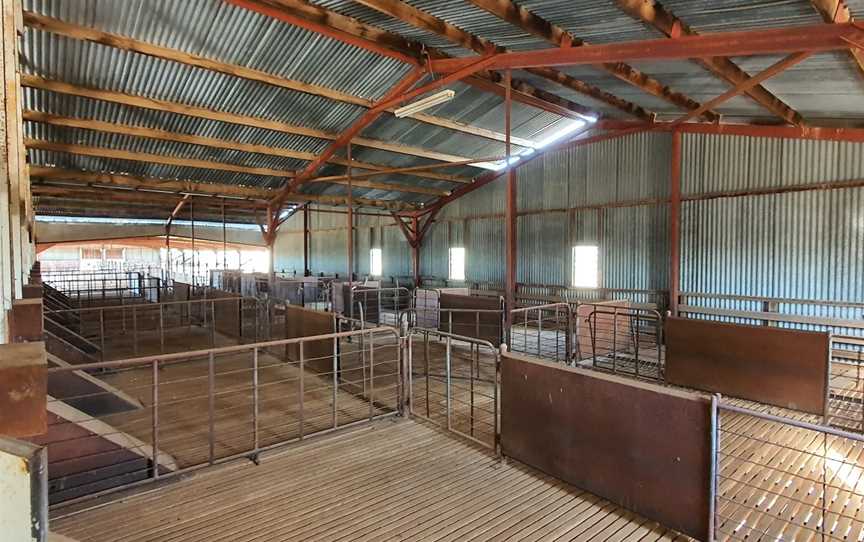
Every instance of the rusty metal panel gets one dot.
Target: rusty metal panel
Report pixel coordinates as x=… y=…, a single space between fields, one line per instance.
x=300 y=322
x=23 y=389
x=25 y=320
x=782 y=367
x=487 y=326
x=642 y=446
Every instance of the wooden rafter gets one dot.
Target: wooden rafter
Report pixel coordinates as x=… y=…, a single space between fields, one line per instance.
x=425 y=21
x=836 y=11
x=223 y=144
x=537 y=26
x=49 y=205
x=196 y=187
x=118 y=154
x=655 y=15
x=56 y=26
x=103 y=152
x=107 y=195
x=352 y=31
x=32 y=81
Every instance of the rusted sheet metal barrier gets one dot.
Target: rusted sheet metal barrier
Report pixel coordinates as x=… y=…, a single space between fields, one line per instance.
x=645 y=447
x=782 y=367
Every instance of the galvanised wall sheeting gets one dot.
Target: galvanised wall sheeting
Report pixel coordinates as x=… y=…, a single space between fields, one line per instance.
x=483 y=201
x=288 y=252
x=484 y=250
x=634 y=250
x=726 y=163
x=803 y=245
x=623 y=169
x=328 y=252
x=434 y=253
x=395 y=252
x=544 y=255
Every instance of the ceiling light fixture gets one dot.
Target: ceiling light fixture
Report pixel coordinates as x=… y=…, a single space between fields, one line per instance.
x=425 y=103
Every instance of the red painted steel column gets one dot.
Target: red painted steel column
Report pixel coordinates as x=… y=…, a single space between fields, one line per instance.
x=306 y=270
x=415 y=251
x=350 y=219
x=510 y=211
x=675 y=225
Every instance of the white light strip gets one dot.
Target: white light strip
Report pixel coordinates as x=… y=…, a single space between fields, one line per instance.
x=425 y=103
x=545 y=142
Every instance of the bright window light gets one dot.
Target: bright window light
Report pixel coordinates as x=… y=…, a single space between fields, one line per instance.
x=586 y=270
x=376 y=268
x=549 y=139
x=560 y=133
x=457 y=263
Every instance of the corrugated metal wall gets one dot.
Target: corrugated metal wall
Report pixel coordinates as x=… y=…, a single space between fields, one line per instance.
x=796 y=245
x=327 y=244
x=572 y=185
x=806 y=245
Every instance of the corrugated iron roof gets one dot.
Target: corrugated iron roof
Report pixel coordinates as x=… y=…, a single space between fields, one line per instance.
x=826 y=87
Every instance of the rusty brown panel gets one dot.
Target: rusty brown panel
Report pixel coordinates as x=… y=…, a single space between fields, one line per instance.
x=300 y=322
x=465 y=324
x=607 y=328
x=25 y=320
x=31 y=291
x=226 y=313
x=23 y=389
x=782 y=367
x=642 y=446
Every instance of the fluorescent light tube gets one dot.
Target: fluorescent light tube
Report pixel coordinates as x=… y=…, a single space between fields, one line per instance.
x=425 y=103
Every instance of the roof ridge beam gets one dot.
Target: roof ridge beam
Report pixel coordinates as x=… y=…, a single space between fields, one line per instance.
x=426 y=21
x=534 y=24
x=656 y=16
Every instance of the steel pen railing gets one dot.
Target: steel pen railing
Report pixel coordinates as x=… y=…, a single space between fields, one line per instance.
x=170 y=326
x=382 y=306
x=453 y=381
x=625 y=341
x=158 y=416
x=544 y=331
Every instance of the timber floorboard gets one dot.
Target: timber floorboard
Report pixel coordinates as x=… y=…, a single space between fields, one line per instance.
x=391 y=480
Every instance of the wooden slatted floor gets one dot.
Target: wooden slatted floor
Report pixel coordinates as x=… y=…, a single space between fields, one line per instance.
x=772 y=478
x=393 y=480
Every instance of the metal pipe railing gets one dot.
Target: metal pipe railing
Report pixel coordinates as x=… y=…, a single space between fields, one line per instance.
x=466 y=384
x=171 y=413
